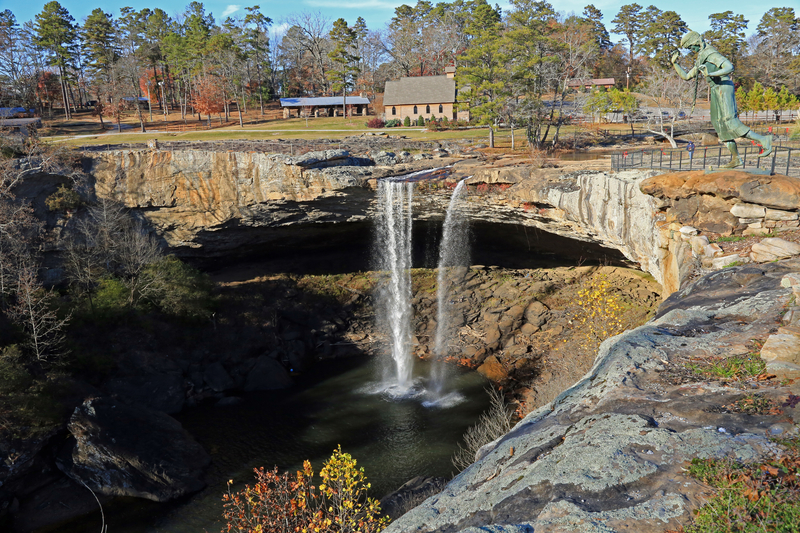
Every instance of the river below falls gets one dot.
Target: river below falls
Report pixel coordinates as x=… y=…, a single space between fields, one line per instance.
x=393 y=440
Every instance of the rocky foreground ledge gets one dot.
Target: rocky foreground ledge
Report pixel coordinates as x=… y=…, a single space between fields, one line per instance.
x=608 y=454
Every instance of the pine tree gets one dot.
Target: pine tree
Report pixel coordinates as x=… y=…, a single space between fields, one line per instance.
x=483 y=73
x=629 y=23
x=57 y=34
x=98 y=36
x=727 y=34
x=345 y=63
x=258 y=45
x=594 y=17
x=661 y=35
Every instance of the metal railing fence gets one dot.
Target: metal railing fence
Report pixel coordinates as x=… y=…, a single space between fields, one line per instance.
x=785 y=159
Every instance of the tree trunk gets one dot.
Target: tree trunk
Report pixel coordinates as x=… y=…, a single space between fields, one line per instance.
x=491 y=137
x=668 y=137
x=64 y=93
x=72 y=99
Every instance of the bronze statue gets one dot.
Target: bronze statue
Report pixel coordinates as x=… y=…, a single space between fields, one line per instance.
x=724 y=115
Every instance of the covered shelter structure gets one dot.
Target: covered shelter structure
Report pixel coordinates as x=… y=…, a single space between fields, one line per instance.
x=324 y=105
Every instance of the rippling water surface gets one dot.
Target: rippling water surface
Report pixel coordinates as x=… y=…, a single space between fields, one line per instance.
x=393 y=436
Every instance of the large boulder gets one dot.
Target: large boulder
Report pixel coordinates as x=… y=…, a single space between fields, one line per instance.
x=123 y=450
x=773 y=248
x=778 y=192
x=267 y=374
x=217 y=377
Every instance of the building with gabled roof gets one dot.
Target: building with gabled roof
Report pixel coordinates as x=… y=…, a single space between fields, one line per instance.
x=428 y=96
x=589 y=83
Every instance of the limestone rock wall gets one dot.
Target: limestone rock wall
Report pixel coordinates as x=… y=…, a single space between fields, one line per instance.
x=185 y=194
x=196 y=199
x=600 y=207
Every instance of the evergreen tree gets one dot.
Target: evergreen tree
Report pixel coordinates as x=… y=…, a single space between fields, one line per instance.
x=258 y=46
x=778 y=47
x=727 y=34
x=57 y=34
x=483 y=73
x=345 y=63
x=661 y=35
x=98 y=37
x=594 y=17
x=629 y=23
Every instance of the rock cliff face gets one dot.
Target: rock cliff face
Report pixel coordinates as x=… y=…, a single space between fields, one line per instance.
x=216 y=202
x=191 y=196
x=607 y=454
x=600 y=207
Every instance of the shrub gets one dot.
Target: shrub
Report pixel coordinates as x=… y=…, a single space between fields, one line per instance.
x=393 y=123
x=281 y=503
x=420 y=120
x=600 y=312
x=407 y=122
x=111 y=297
x=64 y=199
x=178 y=289
x=344 y=490
x=376 y=122
x=493 y=423
x=13 y=375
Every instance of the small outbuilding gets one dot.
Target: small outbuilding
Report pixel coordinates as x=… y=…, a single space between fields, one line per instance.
x=593 y=82
x=427 y=96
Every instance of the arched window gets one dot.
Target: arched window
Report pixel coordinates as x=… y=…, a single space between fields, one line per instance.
x=441 y=108
x=394 y=110
x=415 y=110
x=428 y=109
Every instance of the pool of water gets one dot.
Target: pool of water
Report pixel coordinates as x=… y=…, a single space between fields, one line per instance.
x=393 y=438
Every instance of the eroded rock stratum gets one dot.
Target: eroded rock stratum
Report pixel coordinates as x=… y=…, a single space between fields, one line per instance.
x=607 y=454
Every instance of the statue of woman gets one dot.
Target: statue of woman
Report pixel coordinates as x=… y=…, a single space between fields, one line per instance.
x=724 y=115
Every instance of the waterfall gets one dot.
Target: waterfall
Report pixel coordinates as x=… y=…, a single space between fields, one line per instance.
x=393 y=254
x=454 y=259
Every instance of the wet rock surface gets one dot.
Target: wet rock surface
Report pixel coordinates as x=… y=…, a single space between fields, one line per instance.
x=121 y=450
x=607 y=454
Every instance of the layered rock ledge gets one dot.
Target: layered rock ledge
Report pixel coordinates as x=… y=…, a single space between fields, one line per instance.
x=607 y=455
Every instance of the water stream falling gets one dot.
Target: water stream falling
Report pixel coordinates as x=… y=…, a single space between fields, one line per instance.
x=393 y=255
x=454 y=257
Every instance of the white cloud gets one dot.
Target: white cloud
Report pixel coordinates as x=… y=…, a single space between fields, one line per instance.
x=231 y=9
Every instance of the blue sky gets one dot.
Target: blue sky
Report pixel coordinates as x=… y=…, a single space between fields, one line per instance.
x=378 y=12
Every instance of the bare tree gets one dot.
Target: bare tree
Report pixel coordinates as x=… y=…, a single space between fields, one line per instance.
x=35 y=313
x=314 y=28
x=108 y=241
x=672 y=97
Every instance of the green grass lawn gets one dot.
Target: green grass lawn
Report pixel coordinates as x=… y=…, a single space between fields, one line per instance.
x=294 y=128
